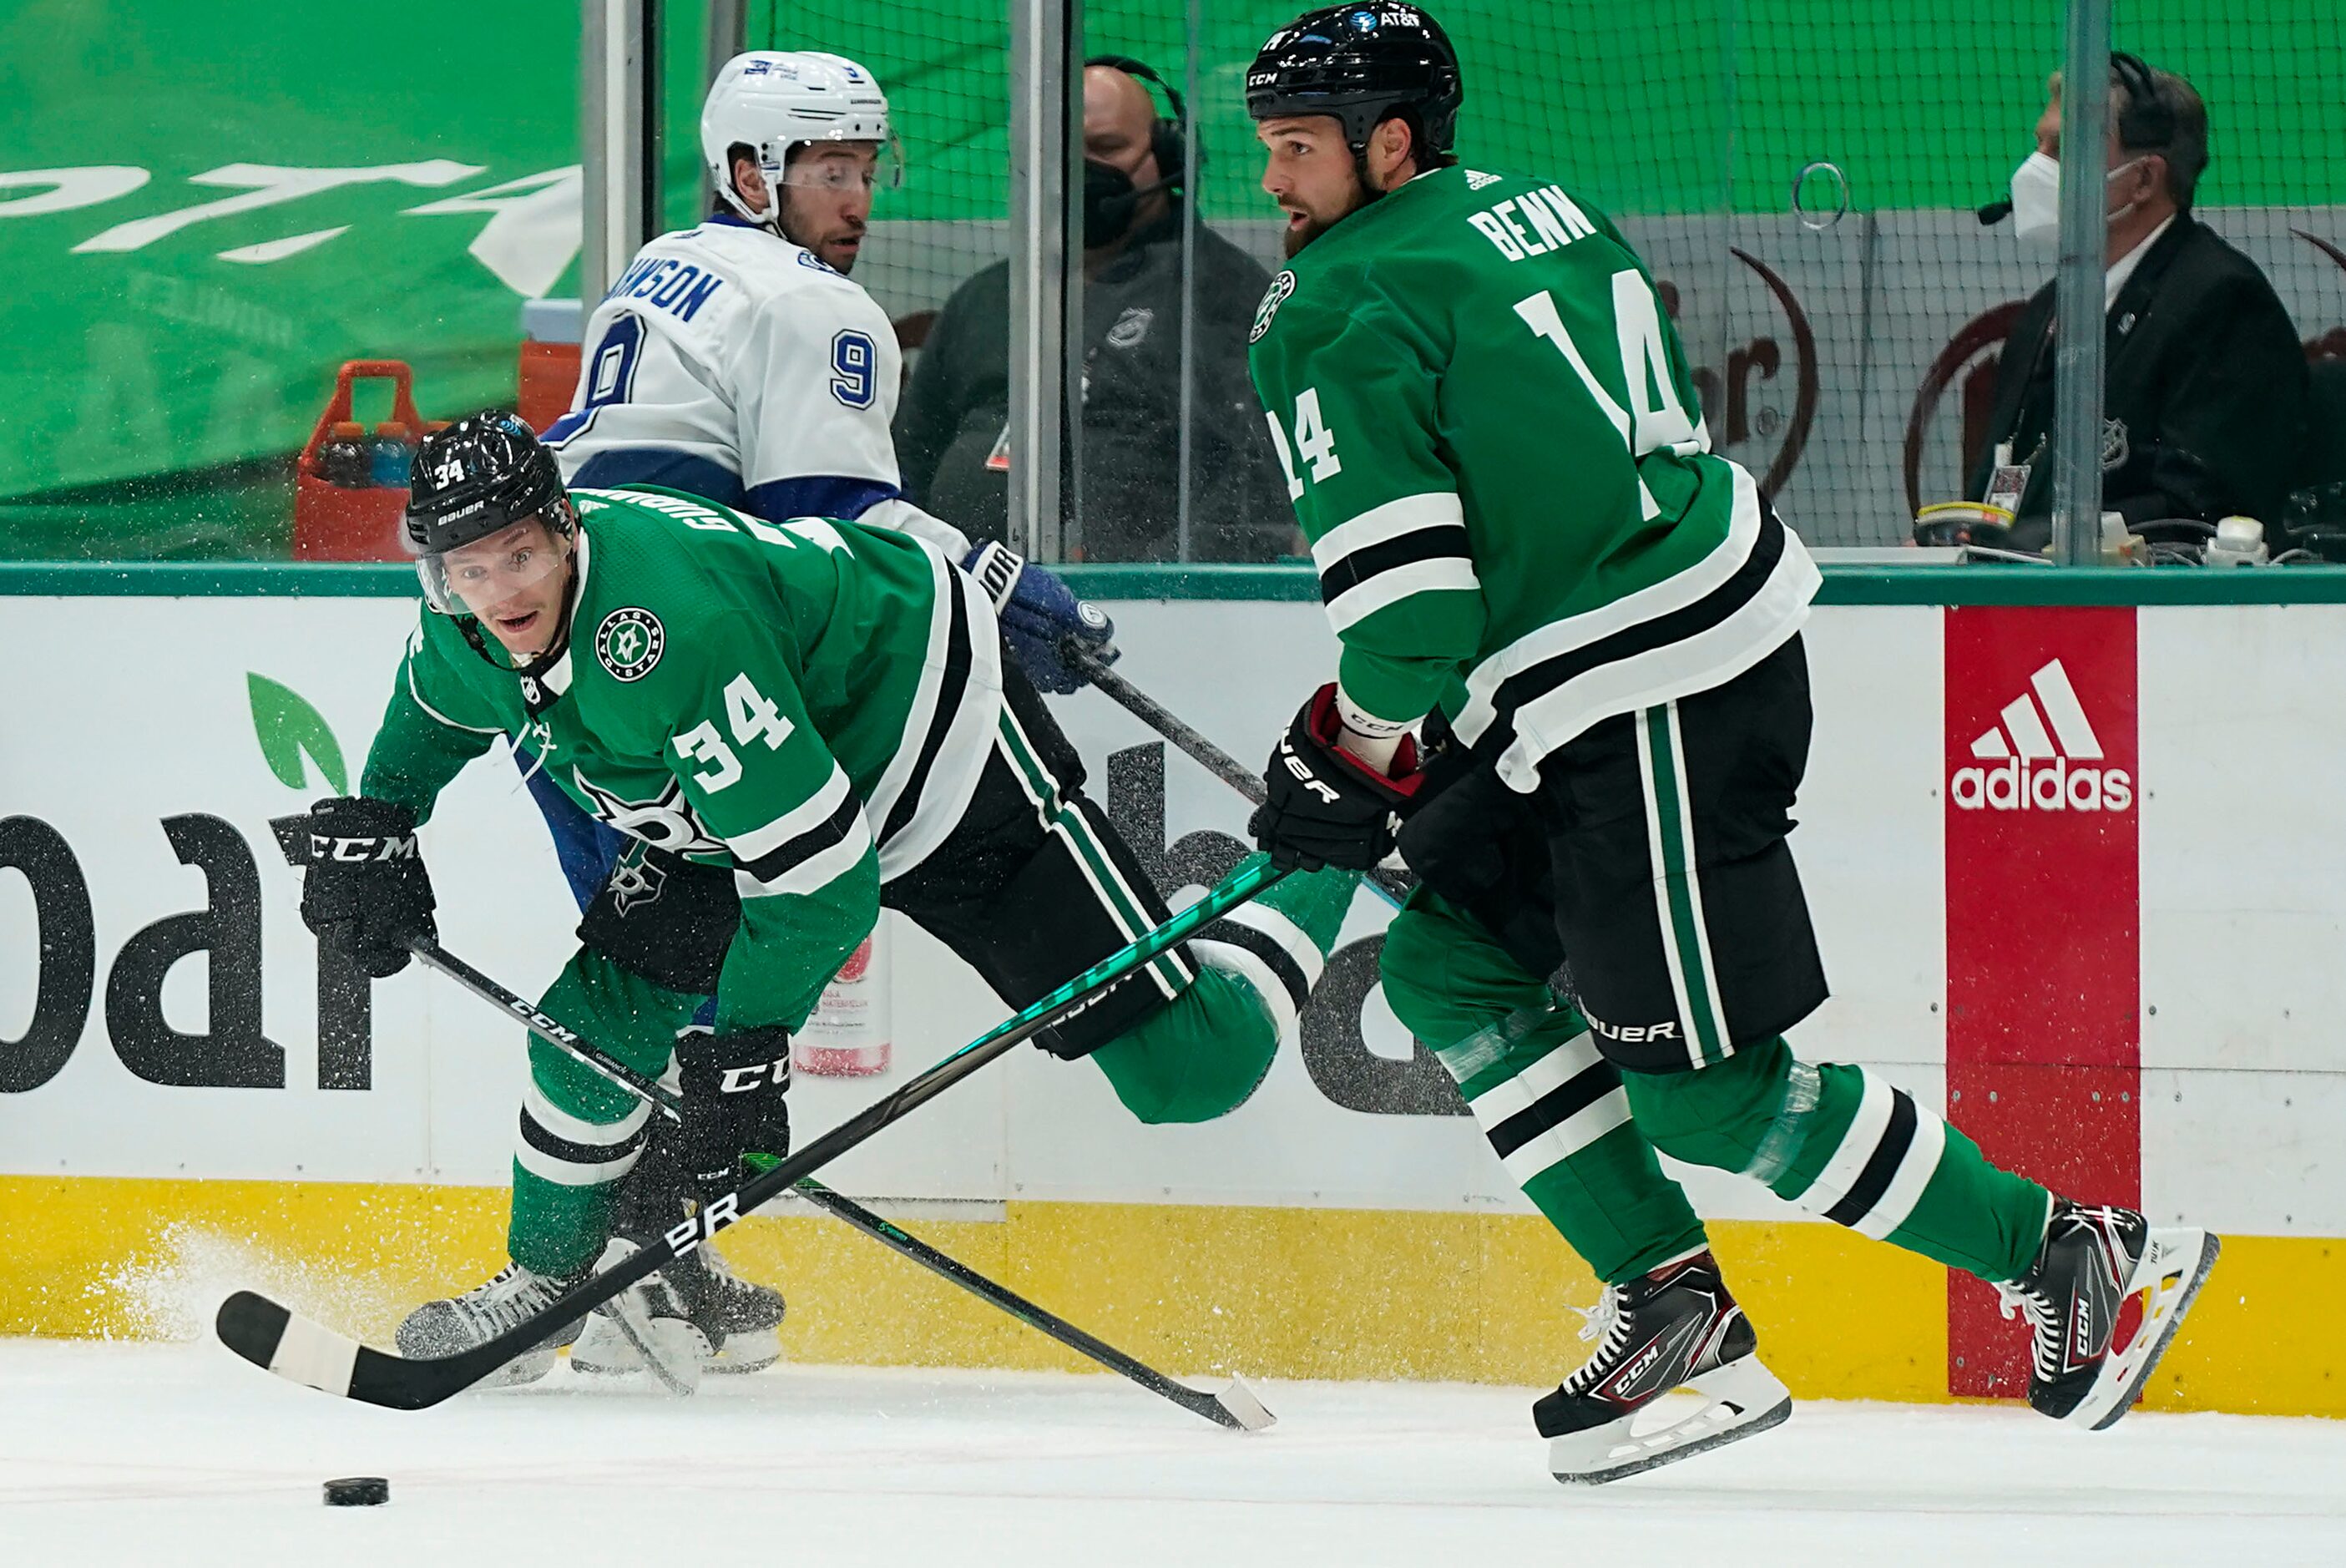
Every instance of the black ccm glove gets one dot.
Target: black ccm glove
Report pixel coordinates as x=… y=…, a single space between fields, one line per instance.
x=1325 y=806
x=366 y=892
x=733 y=1086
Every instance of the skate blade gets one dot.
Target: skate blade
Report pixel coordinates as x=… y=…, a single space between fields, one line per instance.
x=1740 y=1399
x=2174 y=1266
x=526 y=1367
x=603 y=1352
x=671 y=1348
x=752 y=1350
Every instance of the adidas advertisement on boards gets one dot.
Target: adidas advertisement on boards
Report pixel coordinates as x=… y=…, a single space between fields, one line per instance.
x=2043 y=754
x=2042 y=792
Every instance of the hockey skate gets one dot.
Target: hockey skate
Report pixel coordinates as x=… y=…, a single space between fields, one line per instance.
x=444 y=1327
x=738 y=1323
x=1677 y=1326
x=2091 y=1261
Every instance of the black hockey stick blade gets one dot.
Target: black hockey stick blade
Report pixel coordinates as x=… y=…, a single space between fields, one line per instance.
x=296 y=1348
x=302 y=1352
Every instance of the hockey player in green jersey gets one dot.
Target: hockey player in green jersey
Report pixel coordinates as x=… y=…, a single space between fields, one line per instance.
x=793 y=724
x=1525 y=543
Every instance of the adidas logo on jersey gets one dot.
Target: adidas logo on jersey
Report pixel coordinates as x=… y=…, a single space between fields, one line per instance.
x=2025 y=766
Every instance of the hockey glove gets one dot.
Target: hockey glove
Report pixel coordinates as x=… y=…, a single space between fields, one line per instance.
x=366 y=892
x=1038 y=613
x=733 y=1104
x=1324 y=804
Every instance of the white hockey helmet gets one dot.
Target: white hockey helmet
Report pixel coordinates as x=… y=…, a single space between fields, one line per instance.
x=772 y=100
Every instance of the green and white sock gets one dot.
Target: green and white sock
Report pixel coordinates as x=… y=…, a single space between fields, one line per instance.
x=1279 y=941
x=1846 y=1146
x=1558 y=1120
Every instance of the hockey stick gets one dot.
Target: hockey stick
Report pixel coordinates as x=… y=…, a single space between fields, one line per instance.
x=306 y=1352
x=1393 y=885
x=1235 y=1406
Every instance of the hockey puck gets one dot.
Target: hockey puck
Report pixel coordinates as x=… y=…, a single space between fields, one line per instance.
x=358 y=1492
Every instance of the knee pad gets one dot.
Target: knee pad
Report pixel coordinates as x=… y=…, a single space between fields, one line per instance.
x=1445 y=979
x=1717 y=1115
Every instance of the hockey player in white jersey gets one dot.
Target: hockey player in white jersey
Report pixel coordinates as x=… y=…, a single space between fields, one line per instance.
x=735 y=359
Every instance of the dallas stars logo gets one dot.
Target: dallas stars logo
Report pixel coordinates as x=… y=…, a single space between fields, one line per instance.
x=635 y=881
x=665 y=821
x=628 y=642
x=1273 y=298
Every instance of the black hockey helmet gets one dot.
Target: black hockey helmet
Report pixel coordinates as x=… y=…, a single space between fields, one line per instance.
x=476 y=479
x=1364 y=65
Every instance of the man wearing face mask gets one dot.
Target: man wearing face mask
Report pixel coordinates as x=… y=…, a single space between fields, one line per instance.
x=2205 y=389
x=953 y=430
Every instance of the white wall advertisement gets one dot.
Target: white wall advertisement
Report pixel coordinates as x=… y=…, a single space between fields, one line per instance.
x=160 y=1009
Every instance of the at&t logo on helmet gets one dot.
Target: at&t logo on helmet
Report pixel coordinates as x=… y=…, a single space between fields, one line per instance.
x=2042 y=754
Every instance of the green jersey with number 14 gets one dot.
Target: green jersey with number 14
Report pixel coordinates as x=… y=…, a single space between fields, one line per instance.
x=809 y=703
x=1492 y=438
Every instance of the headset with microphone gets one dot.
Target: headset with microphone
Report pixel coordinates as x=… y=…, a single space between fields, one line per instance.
x=1167 y=138
x=2145 y=123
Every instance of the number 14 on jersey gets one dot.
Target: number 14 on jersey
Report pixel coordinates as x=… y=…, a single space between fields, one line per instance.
x=1313 y=440
x=1653 y=418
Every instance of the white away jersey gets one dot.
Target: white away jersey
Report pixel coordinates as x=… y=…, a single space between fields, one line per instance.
x=736 y=366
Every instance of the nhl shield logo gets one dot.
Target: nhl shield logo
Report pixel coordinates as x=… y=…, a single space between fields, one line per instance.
x=628 y=643
x=1273 y=298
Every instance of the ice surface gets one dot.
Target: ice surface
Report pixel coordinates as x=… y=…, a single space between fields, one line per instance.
x=180 y=1454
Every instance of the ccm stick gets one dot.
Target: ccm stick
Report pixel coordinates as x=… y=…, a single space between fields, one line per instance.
x=304 y=1351
x=1393 y=886
x=1235 y=1406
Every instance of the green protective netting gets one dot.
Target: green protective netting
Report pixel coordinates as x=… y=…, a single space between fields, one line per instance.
x=154 y=391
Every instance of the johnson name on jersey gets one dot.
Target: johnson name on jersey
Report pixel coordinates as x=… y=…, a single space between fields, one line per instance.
x=1492 y=438
x=811 y=703
x=733 y=364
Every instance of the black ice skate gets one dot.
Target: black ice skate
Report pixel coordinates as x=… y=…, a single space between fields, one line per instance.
x=1677 y=1326
x=439 y=1328
x=737 y=1323
x=744 y=1319
x=2091 y=1261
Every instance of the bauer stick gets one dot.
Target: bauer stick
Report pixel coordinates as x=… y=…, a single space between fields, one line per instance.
x=1393 y=886
x=304 y=1351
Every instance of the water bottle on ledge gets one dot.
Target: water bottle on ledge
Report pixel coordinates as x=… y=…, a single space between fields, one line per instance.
x=847 y=1034
x=390 y=457
x=344 y=458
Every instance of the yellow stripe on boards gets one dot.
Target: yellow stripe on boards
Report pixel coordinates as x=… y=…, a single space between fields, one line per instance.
x=1270 y=1292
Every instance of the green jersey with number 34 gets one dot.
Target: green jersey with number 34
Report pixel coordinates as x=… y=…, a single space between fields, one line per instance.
x=1492 y=439
x=810 y=703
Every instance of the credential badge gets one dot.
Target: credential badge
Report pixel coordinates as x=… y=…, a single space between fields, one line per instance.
x=628 y=642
